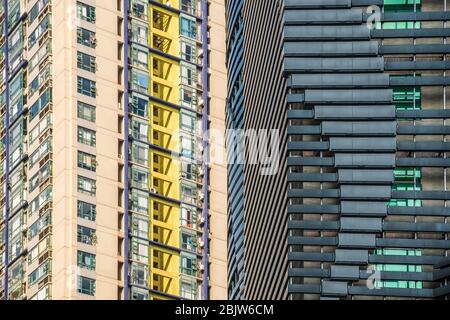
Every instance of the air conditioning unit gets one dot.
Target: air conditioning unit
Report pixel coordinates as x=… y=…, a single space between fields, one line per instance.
x=153 y=190
x=200 y=53
x=201 y=244
x=201 y=267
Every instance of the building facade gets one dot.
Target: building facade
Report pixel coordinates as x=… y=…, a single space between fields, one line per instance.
x=256 y=102
x=368 y=195
x=235 y=121
x=360 y=88
x=106 y=191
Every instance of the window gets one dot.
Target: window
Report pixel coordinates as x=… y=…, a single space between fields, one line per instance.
x=39 y=273
x=87 y=161
x=189 y=6
x=87 y=87
x=39 y=56
x=41 y=103
x=86 y=37
x=39 y=225
x=37 y=33
x=41 y=176
x=86 y=211
x=139 y=201
x=188 y=51
x=41 y=152
x=139 y=153
x=188 y=75
x=38 y=202
x=86 y=111
x=140 y=81
x=86 y=286
x=39 y=80
x=189 y=241
x=140 y=226
x=188 y=217
x=139 y=274
x=86 y=235
x=188 y=28
x=139 y=106
x=40 y=128
x=16 y=42
x=139 y=178
x=36 y=10
x=85 y=12
x=139 y=129
x=16 y=96
x=86 y=62
x=139 y=57
x=139 y=9
x=139 y=250
x=86 y=260
x=398 y=284
x=188 y=289
x=139 y=33
x=188 y=265
x=188 y=97
x=87 y=136
x=87 y=186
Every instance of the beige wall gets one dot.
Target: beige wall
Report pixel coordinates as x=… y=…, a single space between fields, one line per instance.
x=65 y=146
x=218 y=175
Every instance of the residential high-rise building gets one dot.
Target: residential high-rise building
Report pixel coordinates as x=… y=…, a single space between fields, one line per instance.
x=106 y=192
x=360 y=88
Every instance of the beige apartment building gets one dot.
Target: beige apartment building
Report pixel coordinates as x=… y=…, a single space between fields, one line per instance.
x=105 y=191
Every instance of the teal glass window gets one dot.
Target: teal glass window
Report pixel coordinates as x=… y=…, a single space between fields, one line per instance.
x=85 y=12
x=188 y=28
x=86 y=111
x=86 y=260
x=86 y=37
x=87 y=161
x=86 y=62
x=87 y=186
x=87 y=87
x=87 y=136
x=86 y=286
x=86 y=211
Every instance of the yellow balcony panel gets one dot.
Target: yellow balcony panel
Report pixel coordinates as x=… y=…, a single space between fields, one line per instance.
x=164 y=236
x=165 y=262
x=169 y=176
x=165 y=130
x=164 y=21
x=165 y=178
x=165 y=188
x=163 y=140
x=162 y=164
x=163 y=44
x=168 y=226
x=166 y=119
x=165 y=91
x=165 y=212
x=163 y=69
x=168 y=285
x=161 y=20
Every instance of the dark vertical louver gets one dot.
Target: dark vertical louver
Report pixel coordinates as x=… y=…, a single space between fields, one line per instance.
x=265 y=195
x=235 y=121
